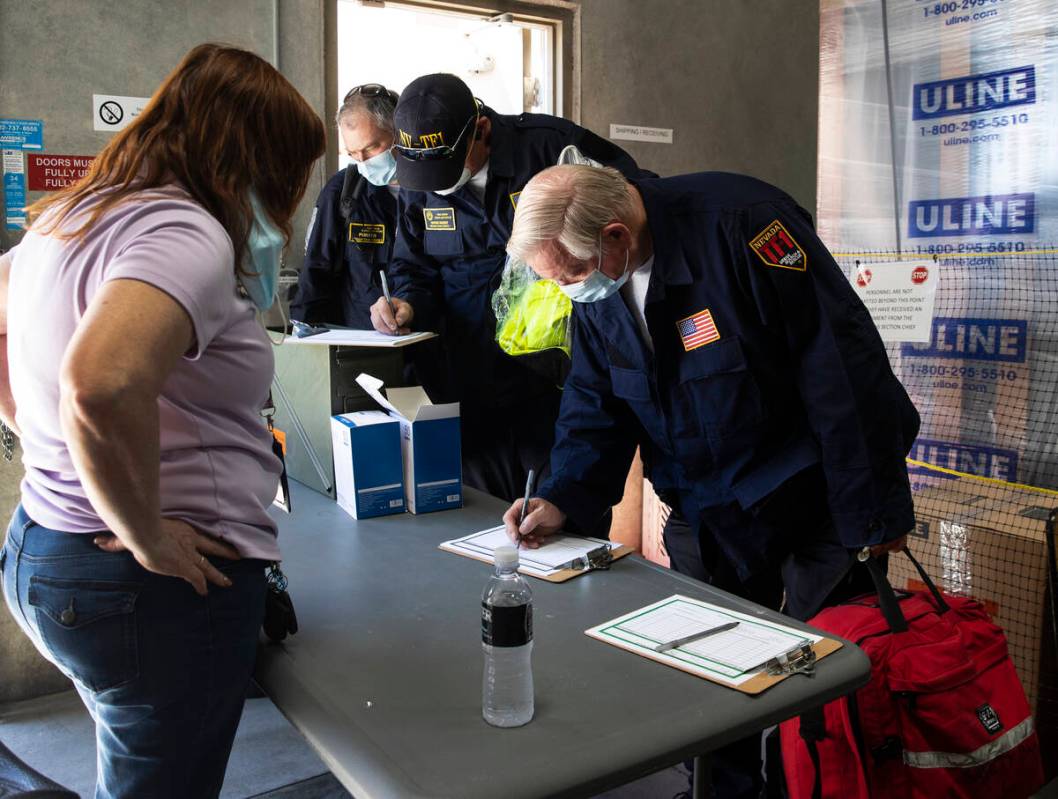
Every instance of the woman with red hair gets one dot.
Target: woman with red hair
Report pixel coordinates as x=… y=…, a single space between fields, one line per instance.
x=135 y=370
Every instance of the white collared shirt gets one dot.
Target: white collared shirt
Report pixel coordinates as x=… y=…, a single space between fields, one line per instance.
x=634 y=292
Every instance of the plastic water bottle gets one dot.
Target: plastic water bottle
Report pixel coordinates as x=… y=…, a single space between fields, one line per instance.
x=507 y=640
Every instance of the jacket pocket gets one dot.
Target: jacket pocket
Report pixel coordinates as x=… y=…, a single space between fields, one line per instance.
x=442 y=243
x=630 y=385
x=721 y=388
x=89 y=628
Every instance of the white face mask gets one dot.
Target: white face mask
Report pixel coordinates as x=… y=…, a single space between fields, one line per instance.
x=464 y=176
x=379 y=169
x=463 y=179
x=596 y=286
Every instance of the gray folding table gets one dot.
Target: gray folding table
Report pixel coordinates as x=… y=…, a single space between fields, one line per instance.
x=384 y=676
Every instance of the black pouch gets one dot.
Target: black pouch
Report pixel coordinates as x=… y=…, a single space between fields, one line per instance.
x=279 y=617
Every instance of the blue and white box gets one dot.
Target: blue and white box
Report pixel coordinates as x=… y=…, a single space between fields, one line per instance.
x=433 y=469
x=368 y=475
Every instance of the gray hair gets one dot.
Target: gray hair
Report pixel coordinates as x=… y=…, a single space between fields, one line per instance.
x=378 y=107
x=569 y=205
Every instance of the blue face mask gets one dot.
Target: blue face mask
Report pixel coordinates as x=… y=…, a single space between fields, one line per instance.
x=264 y=246
x=596 y=286
x=378 y=169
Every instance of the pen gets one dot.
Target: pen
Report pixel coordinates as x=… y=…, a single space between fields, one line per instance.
x=525 y=502
x=690 y=639
x=385 y=292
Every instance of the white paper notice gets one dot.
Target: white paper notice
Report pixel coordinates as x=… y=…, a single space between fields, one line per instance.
x=113 y=112
x=900 y=297
x=13 y=162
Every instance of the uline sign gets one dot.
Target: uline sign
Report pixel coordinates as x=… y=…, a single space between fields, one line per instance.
x=974 y=93
x=987 y=215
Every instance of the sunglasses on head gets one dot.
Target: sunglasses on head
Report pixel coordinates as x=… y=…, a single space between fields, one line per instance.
x=370 y=90
x=435 y=153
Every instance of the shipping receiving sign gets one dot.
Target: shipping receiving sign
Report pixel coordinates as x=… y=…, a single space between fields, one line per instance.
x=641 y=133
x=899 y=296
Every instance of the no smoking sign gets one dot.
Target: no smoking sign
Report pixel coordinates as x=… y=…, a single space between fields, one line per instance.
x=112 y=112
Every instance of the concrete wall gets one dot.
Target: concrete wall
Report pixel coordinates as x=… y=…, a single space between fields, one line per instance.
x=736 y=79
x=54 y=56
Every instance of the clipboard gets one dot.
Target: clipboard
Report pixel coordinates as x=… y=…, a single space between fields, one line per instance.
x=561 y=576
x=801 y=658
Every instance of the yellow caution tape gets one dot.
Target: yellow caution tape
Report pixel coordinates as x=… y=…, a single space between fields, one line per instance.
x=992 y=480
x=880 y=256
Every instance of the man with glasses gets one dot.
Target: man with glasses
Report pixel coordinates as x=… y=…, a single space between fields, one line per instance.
x=461 y=167
x=351 y=235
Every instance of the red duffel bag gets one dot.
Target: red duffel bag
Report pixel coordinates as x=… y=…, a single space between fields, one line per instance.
x=943 y=715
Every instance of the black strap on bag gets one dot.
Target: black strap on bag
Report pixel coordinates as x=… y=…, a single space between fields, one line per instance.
x=938 y=597
x=813 y=729
x=887 y=600
x=352 y=188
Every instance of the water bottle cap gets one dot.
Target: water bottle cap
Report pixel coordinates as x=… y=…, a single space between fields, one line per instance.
x=506 y=556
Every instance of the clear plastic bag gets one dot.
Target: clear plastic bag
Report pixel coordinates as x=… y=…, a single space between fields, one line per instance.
x=533 y=315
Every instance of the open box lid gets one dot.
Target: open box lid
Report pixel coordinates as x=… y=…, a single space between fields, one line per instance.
x=410 y=403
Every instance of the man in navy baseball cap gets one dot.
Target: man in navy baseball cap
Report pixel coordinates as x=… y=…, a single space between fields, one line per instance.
x=461 y=167
x=436 y=124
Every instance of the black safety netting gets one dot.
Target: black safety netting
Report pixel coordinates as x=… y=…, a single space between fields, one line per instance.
x=984 y=468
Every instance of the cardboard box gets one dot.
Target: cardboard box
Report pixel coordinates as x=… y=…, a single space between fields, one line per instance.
x=987 y=542
x=433 y=467
x=368 y=475
x=314 y=382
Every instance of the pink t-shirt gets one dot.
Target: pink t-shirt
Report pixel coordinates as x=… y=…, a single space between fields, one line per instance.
x=218 y=471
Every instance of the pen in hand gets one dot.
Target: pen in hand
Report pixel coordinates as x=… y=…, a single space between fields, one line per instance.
x=386 y=294
x=525 y=504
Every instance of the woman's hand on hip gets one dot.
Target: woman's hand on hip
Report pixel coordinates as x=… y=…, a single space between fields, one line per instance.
x=179 y=551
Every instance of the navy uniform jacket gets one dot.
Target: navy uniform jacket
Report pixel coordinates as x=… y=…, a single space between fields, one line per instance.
x=450 y=253
x=782 y=369
x=344 y=251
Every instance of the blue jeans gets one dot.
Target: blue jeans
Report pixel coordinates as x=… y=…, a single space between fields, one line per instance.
x=163 y=671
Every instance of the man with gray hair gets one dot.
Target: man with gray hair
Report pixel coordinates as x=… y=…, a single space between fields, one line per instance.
x=353 y=226
x=715 y=331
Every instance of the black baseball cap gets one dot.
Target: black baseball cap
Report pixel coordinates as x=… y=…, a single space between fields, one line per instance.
x=434 y=125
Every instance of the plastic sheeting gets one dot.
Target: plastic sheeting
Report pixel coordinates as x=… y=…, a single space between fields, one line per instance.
x=937 y=137
x=937 y=125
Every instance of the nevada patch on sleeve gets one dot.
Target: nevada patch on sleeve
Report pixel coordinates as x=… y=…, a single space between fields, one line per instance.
x=776 y=247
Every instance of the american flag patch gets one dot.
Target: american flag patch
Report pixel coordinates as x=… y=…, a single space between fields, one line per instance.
x=698 y=330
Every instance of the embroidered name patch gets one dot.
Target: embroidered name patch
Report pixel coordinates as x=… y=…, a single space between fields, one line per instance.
x=439 y=218
x=514 y=199
x=776 y=247
x=698 y=330
x=367 y=233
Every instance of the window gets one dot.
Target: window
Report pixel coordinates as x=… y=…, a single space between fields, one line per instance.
x=508 y=60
